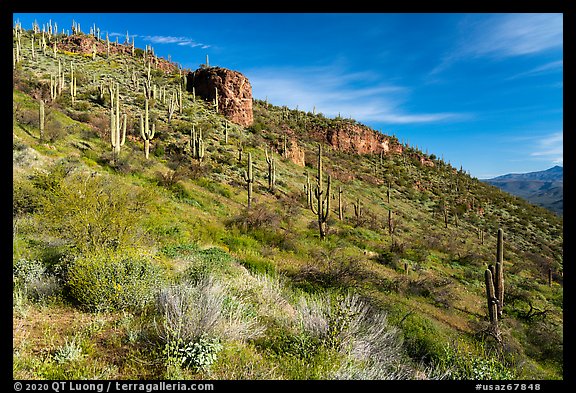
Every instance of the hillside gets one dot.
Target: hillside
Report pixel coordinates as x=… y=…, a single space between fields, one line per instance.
x=542 y=188
x=143 y=257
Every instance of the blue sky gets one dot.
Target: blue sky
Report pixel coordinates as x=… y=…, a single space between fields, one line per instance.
x=482 y=90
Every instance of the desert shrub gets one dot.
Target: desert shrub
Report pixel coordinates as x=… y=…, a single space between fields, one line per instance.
x=390 y=259
x=422 y=339
x=476 y=364
x=54 y=130
x=108 y=281
x=259 y=216
x=331 y=268
x=93 y=212
x=211 y=261
x=196 y=317
x=32 y=279
x=258 y=265
x=199 y=354
x=347 y=324
x=178 y=250
x=546 y=340
x=25 y=198
x=214 y=187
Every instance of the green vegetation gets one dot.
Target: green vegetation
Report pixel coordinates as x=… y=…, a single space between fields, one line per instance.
x=157 y=266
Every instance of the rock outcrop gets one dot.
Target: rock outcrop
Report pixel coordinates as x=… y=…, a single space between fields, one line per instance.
x=85 y=44
x=234 y=92
x=357 y=138
x=295 y=153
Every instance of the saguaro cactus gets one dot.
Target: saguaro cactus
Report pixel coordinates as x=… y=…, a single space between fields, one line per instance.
x=491 y=299
x=249 y=178
x=41 y=119
x=494 y=277
x=73 y=90
x=115 y=124
x=146 y=131
x=308 y=191
x=240 y=150
x=271 y=171
x=340 y=213
x=322 y=208
x=499 y=278
x=357 y=211
x=196 y=144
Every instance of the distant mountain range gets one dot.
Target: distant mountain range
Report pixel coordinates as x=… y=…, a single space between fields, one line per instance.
x=542 y=188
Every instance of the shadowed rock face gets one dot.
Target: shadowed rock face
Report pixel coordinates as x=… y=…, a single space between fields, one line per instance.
x=234 y=92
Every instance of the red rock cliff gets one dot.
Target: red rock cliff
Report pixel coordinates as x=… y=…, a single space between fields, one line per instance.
x=234 y=92
x=357 y=138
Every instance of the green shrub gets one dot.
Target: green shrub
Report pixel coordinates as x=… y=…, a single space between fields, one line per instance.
x=459 y=363
x=422 y=339
x=200 y=354
x=178 y=250
x=212 y=261
x=258 y=265
x=106 y=281
x=93 y=211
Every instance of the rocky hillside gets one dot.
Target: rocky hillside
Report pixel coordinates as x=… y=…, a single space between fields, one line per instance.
x=159 y=235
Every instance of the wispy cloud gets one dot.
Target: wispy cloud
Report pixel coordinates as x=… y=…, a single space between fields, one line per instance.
x=543 y=69
x=333 y=91
x=181 y=41
x=504 y=35
x=517 y=34
x=550 y=147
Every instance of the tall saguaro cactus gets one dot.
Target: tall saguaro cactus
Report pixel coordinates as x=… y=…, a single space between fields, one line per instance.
x=494 y=277
x=115 y=124
x=196 y=144
x=357 y=211
x=249 y=178
x=322 y=208
x=340 y=212
x=271 y=170
x=146 y=131
x=41 y=119
x=491 y=299
x=499 y=279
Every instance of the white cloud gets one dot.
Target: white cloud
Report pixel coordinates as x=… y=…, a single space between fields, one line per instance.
x=543 y=69
x=517 y=34
x=504 y=35
x=182 y=41
x=550 y=147
x=333 y=91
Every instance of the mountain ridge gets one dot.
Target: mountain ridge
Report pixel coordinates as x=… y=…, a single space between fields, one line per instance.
x=543 y=188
